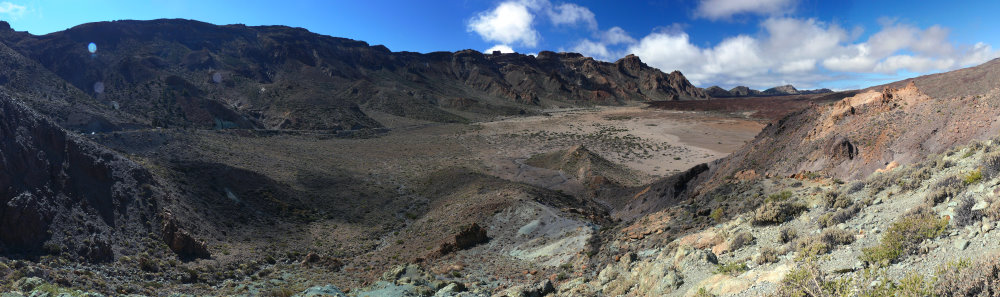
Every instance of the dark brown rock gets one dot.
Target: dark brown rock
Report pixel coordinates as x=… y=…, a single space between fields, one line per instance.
x=181 y=242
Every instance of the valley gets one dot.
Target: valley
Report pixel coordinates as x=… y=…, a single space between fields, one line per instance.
x=273 y=161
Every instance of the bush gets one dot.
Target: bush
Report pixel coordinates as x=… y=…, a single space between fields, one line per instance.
x=767 y=255
x=823 y=243
x=834 y=237
x=973 y=177
x=787 y=235
x=962 y=278
x=717 y=214
x=964 y=215
x=940 y=195
x=740 y=240
x=855 y=187
x=831 y=219
x=703 y=293
x=835 y=200
x=732 y=268
x=990 y=165
x=778 y=197
x=951 y=182
x=903 y=236
x=777 y=212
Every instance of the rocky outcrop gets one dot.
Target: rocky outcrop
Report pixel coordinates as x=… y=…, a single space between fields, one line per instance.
x=181 y=242
x=468 y=237
x=62 y=192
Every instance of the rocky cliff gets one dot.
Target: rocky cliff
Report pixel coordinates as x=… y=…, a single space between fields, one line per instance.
x=64 y=194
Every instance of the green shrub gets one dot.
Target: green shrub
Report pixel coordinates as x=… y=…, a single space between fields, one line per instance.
x=903 y=236
x=973 y=177
x=778 y=197
x=717 y=214
x=732 y=268
x=703 y=293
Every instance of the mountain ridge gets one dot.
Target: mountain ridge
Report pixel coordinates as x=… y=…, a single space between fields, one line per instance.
x=278 y=77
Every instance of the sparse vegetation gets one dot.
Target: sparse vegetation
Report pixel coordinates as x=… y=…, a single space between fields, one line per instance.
x=717 y=214
x=964 y=215
x=777 y=212
x=972 y=177
x=786 y=235
x=902 y=237
x=731 y=268
x=741 y=240
x=767 y=255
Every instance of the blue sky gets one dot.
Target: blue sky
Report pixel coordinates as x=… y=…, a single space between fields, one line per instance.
x=759 y=43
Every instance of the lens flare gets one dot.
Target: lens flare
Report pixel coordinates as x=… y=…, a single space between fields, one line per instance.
x=92 y=47
x=217 y=77
x=99 y=87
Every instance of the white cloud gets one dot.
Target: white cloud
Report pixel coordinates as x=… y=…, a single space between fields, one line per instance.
x=616 y=35
x=805 y=52
x=503 y=48
x=13 y=10
x=668 y=51
x=571 y=14
x=918 y=64
x=593 y=49
x=723 y=9
x=787 y=50
x=978 y=54
x=508 y=23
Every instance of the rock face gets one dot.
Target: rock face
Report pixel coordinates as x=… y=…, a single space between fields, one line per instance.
x=466 y=238
x=181 y=242
x=63 y=193
x=278 y=77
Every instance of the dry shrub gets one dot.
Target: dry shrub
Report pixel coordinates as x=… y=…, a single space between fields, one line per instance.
x=740 y=240
x=786 y=235
x=833 y=218
x=964 y=279
x=990 y=165
x=822 y=243
x=834 y=200
x=777 y=212
x=964 y=215
x=767 y=255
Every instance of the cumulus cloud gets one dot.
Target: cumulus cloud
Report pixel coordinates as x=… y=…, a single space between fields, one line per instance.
x=571 y=14
x=503 y=48
x=805 y=52
x=513 y=21
x=606 y=44
x=723 y=9
x=786 y=50
x=12 y=10
x=508 y=23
